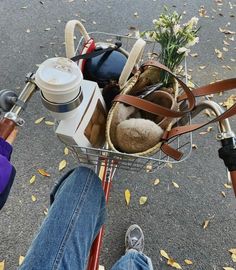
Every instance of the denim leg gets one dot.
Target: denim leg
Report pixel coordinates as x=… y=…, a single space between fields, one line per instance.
x=133 y=260
x=73 y=221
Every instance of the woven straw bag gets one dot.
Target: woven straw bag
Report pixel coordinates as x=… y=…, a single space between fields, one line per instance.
x=110 y=127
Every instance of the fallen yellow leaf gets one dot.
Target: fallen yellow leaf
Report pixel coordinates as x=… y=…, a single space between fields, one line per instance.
x=169 y=165
x=156 y=182
x=219 y=54
x=43 y=172
x=202 y=67
x=227 y=67
x=233 y=251
x=190 y=84
x=223 y=194
x=202 y=11
x=227 y=186
x=49 y=123
x=66 y=151
x=127 y=196
x=207 y=112
x=188 y=262
x=21 y=259
x=205 y=224
x=164 y=254
x=149 y=167
x=226 y=31
x=226 y=43
x=194 y=146
x=142 y=200
x=32 y=179
x=33 y=198
x=2 y=265
x=38 y=121
x=209 y=129
x=230 y=101
x=233 y=257
x=62 y=165
x=45 y=211
x=228 y=268
x=173 y=263
x=193 y=54
x=175 y=184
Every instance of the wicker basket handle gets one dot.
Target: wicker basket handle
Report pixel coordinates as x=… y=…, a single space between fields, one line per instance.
x=69 y=36
x=134 y=57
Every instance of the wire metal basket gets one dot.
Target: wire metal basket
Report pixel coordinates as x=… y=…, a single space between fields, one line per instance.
x=130 y=162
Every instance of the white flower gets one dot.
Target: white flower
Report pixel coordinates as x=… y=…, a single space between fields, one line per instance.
x=183 y=50
x=193 y=42
x=192 y=22
x=165 y=30
x=176 y=28
x=154 y=21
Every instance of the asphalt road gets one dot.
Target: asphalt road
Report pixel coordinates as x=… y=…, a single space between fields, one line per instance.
x=172 y=218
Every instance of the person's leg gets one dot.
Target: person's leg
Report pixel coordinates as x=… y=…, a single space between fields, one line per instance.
x=74 y=219
x=134 y=258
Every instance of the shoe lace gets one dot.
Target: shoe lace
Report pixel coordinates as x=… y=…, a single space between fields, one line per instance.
x=135 y=243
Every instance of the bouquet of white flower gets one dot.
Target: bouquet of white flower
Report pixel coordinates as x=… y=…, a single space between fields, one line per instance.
x=175 y=39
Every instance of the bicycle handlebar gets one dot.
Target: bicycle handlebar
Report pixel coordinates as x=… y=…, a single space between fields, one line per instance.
x=11 y=119
x=6 y=127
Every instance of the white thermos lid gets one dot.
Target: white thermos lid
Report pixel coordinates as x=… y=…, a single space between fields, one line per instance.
x=59 y=79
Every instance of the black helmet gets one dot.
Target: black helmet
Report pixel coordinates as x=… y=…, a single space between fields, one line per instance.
x=106 y=67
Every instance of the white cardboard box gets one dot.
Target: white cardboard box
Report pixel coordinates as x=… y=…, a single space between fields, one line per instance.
x=72 y=131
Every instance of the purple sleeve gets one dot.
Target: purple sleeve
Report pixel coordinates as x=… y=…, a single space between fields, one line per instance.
x=7 y=171
x=5 y=149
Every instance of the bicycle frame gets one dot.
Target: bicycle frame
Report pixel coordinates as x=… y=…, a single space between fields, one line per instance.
x=105 y=173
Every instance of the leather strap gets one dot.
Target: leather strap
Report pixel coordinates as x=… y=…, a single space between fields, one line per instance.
x=209 y=89
x=148 y=106
x=96 y=52
x=213 y=88
x=201 y=91
x=155 y=108
x=171 y=152
x=189 y=95
x=189 y=128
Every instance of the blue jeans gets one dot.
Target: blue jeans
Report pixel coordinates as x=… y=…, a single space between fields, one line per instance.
x=73 y=221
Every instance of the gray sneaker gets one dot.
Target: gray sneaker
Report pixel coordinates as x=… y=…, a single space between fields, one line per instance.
x=134 y=238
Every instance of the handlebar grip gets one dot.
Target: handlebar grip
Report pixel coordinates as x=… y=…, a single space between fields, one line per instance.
x=233 y=179
x=6 y=127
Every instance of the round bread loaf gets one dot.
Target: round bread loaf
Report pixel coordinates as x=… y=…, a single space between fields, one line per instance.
x=137 y=135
